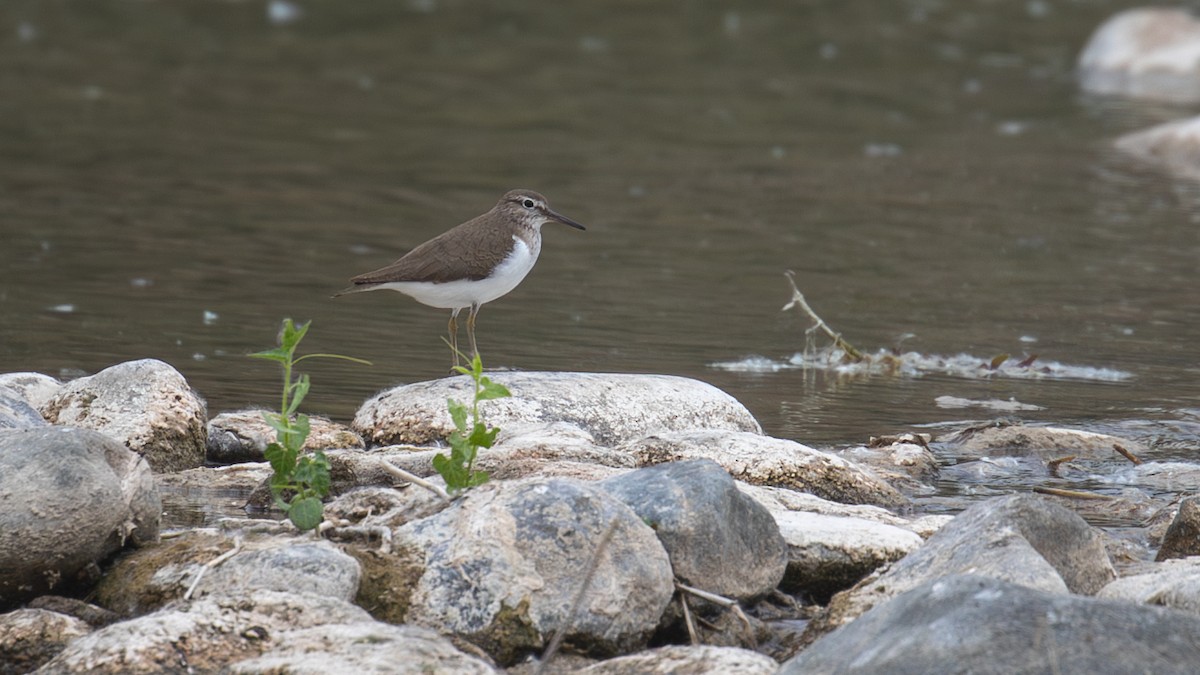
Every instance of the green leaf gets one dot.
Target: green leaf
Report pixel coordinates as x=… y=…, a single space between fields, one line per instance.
x=299 y=432
x=306 y=513
x=312 y=472
x=292 y=334
x=476 y=366
x=458 y=413
x=276 y=354
x=481 y=436
x=282 y=459
x=478 y=478
x=454 y=475
x=299 y=390
x=343 y=357
x=491 y=390
x=460 y=370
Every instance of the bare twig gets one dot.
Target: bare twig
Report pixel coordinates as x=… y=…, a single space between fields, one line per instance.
x=1054 y=464
x=1126 y=454
x=799 y=301
x=415 y=480
x=688 y=621
x=1070 y=494
x=593 y=563
x=727 y=603
x=237 y=546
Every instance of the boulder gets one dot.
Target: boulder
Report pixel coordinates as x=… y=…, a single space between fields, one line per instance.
x=781 y=500
x=16 y=412
x=1147 y=52
x=1020 y=539
x=718 y=539
x=762 y=460
x=1175 y=583
x=31 y=637
x=146 y=405
x=973 y=624
x=502 y=567
x=34 y=388
x=1046 y=443
x=244 y=435
x=692 y=660
x=612 y=407
x=1182 y=538
x=71 y=498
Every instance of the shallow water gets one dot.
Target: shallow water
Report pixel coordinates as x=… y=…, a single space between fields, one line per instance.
x=178 y=177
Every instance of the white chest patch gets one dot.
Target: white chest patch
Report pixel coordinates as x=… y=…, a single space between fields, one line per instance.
x=460 y=294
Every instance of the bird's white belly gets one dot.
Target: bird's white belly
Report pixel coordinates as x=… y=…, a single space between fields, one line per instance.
x=464 y=293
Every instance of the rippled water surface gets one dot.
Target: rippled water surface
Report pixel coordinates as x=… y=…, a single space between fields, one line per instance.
x=177 y=177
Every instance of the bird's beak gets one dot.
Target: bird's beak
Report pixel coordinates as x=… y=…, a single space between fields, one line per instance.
x=565 y=220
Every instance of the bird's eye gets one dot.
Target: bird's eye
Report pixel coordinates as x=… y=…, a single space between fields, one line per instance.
x=527 y=203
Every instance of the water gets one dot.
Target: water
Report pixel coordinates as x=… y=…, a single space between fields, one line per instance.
x=178 y=177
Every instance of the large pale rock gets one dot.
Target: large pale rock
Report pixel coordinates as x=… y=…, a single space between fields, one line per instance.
x=1020 y=539
x=973 y=624
x=201 y=635
x=1148 y=52
x=147 y=405
x=781 y=500
x=34 y=388
x=718 y=539
x=149 y=578
x=1047 y=443
x=699 y=660
x=1182 y=538
x=503 y=564
x=613 y=408
x=243 y=436
x=1172 y=146
x=70 y=498
x=762 y=460
x=1175 y=583
x=827 y=554
x=16 y=413
x=31 y=637
x=363 y=647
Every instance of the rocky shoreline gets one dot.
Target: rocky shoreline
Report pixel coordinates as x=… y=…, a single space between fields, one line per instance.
x=644 y=521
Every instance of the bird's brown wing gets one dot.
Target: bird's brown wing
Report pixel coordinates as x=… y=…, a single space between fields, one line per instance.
x=469 y=251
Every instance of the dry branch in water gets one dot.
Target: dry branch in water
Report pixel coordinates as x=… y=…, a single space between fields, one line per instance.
x=1126 y=454
x=819 y=323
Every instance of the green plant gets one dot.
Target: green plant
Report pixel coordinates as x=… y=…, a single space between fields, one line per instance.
x=306 y=477
x=470 y=433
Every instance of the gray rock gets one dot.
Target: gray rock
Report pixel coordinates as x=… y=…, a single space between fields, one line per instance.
x=1046 y=443
x=1182 y=538
x=34 y=388
x=1021 y=539
x=971 y=624
x=613 y=408
x=150 y=578
x=782 y=500
x=1172 y=146
x=17 y=413
x=203 y=635
x=1175 y=584
x=905 y=464
x=244 y=435
x=72 y=497
x=828 y=553
x=31 y=637
x=699 y=660
x=503 y=564
x=762 y=460
x=364 y=647
x=1148 y=52
x=146 y=405
x=719 y=539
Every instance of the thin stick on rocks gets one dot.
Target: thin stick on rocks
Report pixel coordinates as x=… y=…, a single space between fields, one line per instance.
x=237 y=546
x=1126 y=454
x=415 y=480
x=727 y=603
x=688 y=621
x=1069 y=494
x=593 y=563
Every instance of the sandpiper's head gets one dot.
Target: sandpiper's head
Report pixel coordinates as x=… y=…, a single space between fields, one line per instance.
x=531 y=209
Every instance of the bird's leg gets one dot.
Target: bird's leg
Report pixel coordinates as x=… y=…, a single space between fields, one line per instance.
x=471 y=329
x=454 y=337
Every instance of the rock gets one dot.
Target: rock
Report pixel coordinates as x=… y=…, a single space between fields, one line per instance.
x=1175 y=584
x=1161 y=476
x=1047 y=443
x=1021 y=539
x=904 y=462
x=243 y=436
x=16 y=413
x=700 y=660
x=779 y=500
x=148 y=579
x=1148 y=52
x=503 y=564
x=363 y=647
x=146 y=405
x=972 y=624
x=613 y=408
x=202 y=635
x=34 y=388
x=1183 y=534
x=718 y=539
x=762 y=460
x=1173 y=146
x=827 y=554
x=31 y=637
x=93 y=615
x=72 y=497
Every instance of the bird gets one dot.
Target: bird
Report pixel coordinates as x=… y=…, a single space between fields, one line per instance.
x=471 y=264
